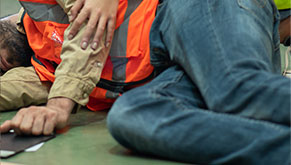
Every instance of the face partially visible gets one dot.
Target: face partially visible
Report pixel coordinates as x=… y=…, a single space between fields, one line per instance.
x=14 y=48
x=7 y=63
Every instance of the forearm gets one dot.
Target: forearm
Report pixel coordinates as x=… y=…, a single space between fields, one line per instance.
x=80 y=70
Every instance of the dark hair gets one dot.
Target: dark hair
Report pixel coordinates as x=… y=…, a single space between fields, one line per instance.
x=15 y=43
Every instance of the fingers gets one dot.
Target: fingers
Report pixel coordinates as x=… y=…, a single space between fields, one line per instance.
x=101 y=16
x=81 y=18
x=75 y=10
x=99 y=32
x=25 y=126
x=17 y=120
x=50 y=123
x=38 y=125
x=110 y=31
x=90 y=28
x=32 y=121
x=6 y=126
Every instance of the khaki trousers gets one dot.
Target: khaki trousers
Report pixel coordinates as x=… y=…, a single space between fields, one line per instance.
x=21 y=87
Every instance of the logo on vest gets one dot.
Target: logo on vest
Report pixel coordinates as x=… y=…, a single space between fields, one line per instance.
x=57 y=38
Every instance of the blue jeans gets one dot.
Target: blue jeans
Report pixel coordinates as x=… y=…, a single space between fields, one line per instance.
x=220 y=98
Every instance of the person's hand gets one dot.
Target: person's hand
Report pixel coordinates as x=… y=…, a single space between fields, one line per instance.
x=37 y=120
x=101 y=15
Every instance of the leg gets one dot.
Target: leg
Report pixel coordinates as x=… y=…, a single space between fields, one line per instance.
x=230 y=50
x=167 y=118
x=20 y=87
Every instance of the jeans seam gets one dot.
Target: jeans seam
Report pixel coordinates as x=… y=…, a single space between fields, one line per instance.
x=217 y=46
x=239 y=2
x=246 y=8
x=251 y=121
x=155 y=92
x=175 y=80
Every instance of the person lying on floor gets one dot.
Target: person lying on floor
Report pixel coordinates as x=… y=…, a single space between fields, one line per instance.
x=220 y=98
x=64 y=74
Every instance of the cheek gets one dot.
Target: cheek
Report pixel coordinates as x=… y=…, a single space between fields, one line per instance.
x=12 y=61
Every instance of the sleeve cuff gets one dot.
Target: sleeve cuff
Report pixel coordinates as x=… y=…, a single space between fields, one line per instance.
x=72 y=88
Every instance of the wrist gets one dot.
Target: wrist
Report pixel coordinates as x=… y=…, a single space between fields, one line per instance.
x=61 y=104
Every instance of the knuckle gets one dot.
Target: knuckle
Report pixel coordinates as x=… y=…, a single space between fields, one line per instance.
x=52 y=114
x=90 y=27
x=22 y=111
x=112 y=17
x=110 y=30
x=73 y=31
x=102 y=28
x=78 y=22
x=98 y=11
x=14 y=124
x=33 y=107
x=73 y=11
x=86 y=9
x=24 y=129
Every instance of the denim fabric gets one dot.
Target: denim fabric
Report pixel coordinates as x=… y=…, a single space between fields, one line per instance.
x=168 y=118
x=284 y=14
x=222 y=98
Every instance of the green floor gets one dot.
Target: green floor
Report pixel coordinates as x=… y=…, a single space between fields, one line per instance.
x=86 y=142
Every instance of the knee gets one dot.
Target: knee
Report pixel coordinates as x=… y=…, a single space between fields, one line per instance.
x=114 y=119
x=124 y=111
x=118 y=121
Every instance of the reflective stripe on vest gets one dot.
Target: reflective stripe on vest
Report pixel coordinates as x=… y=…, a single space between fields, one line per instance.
x=53 y=12
x=129 y=61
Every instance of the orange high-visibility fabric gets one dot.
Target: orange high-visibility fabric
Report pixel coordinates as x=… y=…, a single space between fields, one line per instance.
x=46 y=38
x=46 y=48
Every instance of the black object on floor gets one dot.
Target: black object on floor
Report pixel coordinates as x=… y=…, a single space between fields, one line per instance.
x=11 y=144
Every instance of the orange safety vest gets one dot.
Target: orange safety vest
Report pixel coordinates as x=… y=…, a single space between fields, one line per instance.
x=128 y=64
